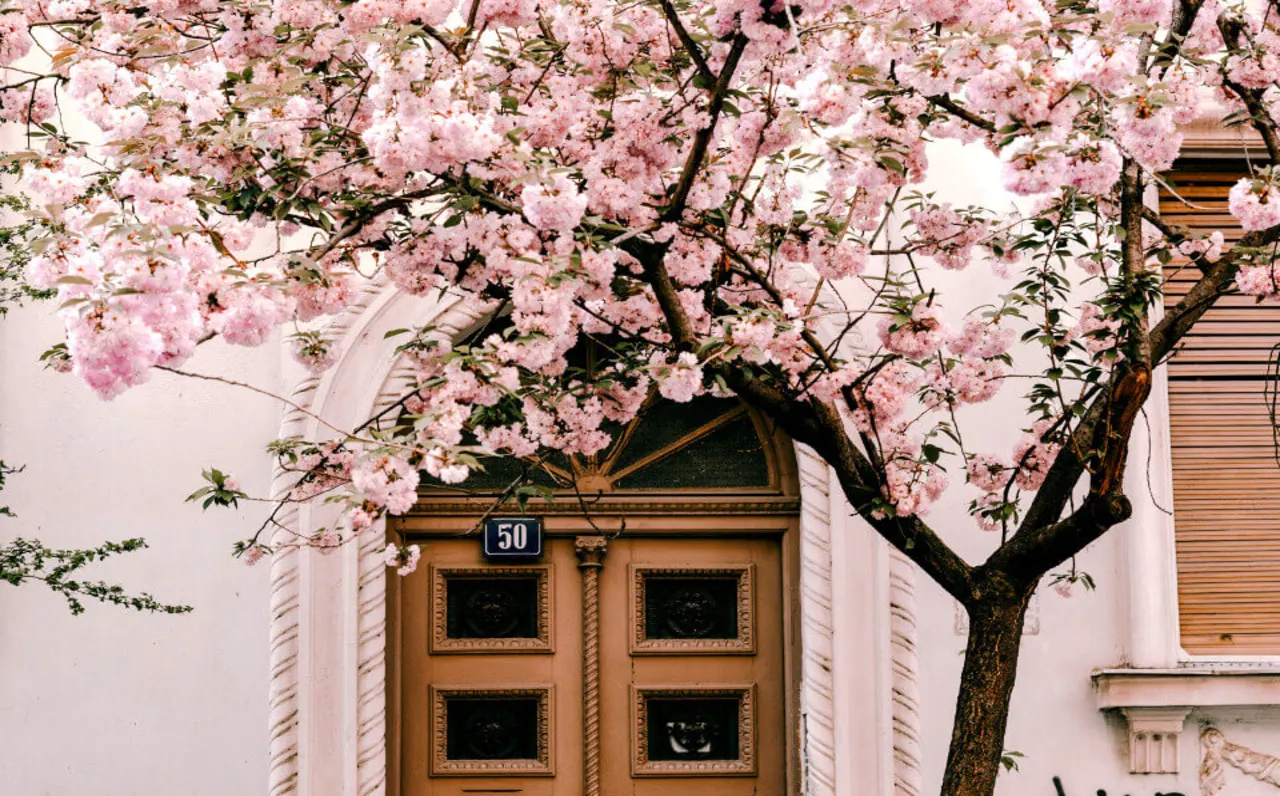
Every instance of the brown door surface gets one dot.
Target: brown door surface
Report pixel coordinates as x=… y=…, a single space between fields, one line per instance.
x=691 y=685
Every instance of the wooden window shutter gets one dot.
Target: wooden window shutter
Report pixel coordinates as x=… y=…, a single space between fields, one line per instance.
x=1226 y=479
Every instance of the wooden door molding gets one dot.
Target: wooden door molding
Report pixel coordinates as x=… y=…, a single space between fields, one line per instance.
x=441 y=644
x=744 y=643
x=541 y=765
x=328 y=688
x=743 y=766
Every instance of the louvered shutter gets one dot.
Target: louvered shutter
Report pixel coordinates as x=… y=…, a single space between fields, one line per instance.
x=1225 y=471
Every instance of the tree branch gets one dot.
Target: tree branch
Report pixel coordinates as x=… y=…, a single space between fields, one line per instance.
x=820 y=426
x=1031 y=553
x=691 y=46
x=702 y=139
x=960 y=112
x=1183 y=17
x=1134 y=254
x=1218 y=279
x=1100 y=419
x=1252 y=98
x=1034 y=551
x=1175 y=233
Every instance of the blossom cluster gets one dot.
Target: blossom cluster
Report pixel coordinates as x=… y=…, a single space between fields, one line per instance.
x=581 y=176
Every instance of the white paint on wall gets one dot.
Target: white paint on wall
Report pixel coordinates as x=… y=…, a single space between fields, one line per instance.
x=113 y=703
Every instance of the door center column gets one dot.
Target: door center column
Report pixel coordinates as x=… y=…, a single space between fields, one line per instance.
x=590 y=551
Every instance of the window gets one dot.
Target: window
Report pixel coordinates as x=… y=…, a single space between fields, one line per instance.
x=1226 y=471
x=709 y=444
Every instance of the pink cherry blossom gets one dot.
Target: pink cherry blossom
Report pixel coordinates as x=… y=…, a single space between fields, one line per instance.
x=988 y=472
x=1256 y=203
x=252 y=554
x=916 y=337
x=557 y=207
x=561 y=172
x=387 y=481
x=681 y=380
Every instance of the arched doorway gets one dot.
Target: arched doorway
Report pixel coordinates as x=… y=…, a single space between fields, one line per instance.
x=654 y=647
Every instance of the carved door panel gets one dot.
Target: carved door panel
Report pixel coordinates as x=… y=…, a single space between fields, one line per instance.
x=686 y=692
x=692 y=667
x=492 y=672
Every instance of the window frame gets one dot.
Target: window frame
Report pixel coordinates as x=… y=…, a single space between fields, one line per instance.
x=1150 y=549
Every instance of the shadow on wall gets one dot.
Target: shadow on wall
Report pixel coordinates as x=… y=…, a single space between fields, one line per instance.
x=1057 y=784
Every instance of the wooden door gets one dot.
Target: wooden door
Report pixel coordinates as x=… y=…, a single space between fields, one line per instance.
x=692 y=668
x=680 y=685
x=492 y=667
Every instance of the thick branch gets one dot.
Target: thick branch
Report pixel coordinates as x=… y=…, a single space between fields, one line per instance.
x=1218 y=279
x=1252 y=98
x=690 y=46
x=818 y=425
x=1033 y=552
x=702 y=139
x=1067 y=469
x=1133 y=255
x=1183 y=17
x=1175 y=233
x=1103 y=436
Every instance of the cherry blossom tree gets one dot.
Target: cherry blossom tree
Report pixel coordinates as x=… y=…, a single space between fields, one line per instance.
x=726 y=198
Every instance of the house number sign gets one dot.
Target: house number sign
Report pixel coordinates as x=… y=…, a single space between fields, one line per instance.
x=512 y=538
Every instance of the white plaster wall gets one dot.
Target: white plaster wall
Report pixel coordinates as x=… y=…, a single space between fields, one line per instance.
x=115 y=703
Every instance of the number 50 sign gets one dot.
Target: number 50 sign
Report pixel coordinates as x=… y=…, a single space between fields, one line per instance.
x=507 y=538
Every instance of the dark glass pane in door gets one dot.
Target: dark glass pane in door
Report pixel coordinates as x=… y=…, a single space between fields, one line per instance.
x=693 y=728
x=492 y=729
x=492 y=607
x=730 y=456
x=690 y=607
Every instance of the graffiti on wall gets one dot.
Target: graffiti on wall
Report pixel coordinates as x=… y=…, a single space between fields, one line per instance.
x=1057 y=784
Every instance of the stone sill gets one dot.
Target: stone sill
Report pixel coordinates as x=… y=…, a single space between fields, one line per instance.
x=1189 y=686
x=1155 y=703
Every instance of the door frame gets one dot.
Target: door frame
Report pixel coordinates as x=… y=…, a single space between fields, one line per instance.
x=680 y=519
x=328 y=682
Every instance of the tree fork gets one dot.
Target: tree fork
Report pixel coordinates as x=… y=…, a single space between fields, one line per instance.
x=996 y=616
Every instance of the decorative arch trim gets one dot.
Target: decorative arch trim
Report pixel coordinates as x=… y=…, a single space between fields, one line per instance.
x=328 y=691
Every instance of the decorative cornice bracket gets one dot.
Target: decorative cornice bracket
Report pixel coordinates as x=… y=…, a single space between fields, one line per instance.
x=1154 y=735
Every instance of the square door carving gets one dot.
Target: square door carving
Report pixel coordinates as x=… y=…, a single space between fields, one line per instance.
x=692 y=611
x=693 y=730
x=490 y=610
x=491 y=731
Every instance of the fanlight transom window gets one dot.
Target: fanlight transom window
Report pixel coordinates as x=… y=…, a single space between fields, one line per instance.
x=709 y=444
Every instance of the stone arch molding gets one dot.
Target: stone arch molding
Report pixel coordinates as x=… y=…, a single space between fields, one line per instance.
x=328 y=694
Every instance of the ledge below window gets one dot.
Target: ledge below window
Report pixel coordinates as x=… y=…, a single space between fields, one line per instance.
x=1155 y=703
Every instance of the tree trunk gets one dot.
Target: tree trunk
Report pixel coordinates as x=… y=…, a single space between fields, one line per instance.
x=986 y=684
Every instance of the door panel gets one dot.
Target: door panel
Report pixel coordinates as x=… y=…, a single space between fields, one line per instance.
x=692 y=682
x=698 y=690
x=474 y=665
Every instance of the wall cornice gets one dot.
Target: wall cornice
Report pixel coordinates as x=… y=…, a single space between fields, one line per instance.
x=1189 y=686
